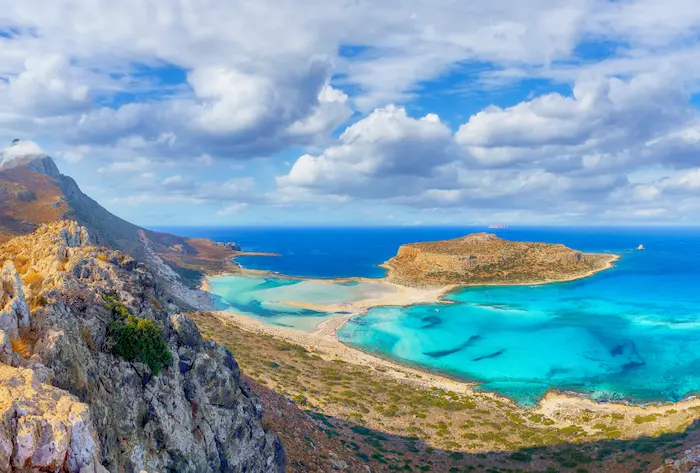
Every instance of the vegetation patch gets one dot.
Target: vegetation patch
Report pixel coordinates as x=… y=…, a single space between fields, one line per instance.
x=136 y=338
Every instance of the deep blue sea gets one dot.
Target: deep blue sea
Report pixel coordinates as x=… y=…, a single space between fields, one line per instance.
x=632 y=332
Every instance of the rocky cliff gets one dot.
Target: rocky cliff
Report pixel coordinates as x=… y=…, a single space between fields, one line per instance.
x=483 y=258
x=86 y=397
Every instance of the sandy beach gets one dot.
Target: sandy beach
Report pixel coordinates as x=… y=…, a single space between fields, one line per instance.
x=563 y=407
x=324 y=343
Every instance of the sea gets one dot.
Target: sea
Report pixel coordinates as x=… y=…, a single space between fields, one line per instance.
x=629 y=333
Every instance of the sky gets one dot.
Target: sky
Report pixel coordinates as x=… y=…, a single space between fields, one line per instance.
x=356 y=112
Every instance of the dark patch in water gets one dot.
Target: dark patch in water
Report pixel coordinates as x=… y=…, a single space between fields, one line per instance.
x=632 y=365
x=618 y=350
x=556 y=371
x=629 y=350
x=492 y=355
x=431 y=321
x=441 y=353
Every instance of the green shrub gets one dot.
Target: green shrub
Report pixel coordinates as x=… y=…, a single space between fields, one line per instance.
x=136 y=339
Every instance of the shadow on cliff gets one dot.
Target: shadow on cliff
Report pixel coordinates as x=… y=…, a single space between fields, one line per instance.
x=316 y=442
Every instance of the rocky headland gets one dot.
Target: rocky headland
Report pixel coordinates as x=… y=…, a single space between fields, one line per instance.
x=485 y=259
x=100 y=370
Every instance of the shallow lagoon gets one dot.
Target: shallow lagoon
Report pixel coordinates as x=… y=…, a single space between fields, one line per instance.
x=631 y=332
x=273 y=299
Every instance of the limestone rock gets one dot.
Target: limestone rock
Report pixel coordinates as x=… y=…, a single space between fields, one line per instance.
x=689 y=462
x=14 y=315
x=43 y=428
x=195 y=416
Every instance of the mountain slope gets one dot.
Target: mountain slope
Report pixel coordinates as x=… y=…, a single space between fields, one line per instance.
x=34 y=192
x=84 y=319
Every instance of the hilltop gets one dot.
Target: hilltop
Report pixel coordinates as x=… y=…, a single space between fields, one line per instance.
x=33 y=192
x=485 y=259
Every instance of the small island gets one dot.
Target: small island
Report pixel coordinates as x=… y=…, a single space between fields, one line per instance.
x=498 y=225
x=485 y=259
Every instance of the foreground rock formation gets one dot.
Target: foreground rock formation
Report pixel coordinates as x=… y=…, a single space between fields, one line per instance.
x=69 y=402
x=483 y=258
x=43 y=427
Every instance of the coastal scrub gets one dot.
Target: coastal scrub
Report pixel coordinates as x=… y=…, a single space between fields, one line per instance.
x=136 y=338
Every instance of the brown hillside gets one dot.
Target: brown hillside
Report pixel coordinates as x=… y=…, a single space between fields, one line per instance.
x=483 y=258
x=34 y=192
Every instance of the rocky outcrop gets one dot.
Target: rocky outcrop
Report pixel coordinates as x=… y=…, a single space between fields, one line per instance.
x=228 y=245
x=197 y=415
x=483 y=258
x=689 y=462
x=43 y=428
x=14 y=312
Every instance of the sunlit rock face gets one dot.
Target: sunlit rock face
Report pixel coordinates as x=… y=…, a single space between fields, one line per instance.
x=43 y=428
x=196 y=415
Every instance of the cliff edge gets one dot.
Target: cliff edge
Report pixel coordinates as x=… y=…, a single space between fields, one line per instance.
x=485 y=259
x=100 y=368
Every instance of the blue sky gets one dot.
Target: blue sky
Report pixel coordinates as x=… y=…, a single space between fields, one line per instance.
x=355 y=113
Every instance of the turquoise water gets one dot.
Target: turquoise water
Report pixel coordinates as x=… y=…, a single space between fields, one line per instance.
x=632 y=332
x=271 y=299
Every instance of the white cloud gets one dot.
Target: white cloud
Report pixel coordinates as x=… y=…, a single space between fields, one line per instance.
x=136 y=165
x=178 y=183
x=553 y=153
x=603 y=116
x=232 y=209
x=20 y=149
x=138 y=86
x=370 y=154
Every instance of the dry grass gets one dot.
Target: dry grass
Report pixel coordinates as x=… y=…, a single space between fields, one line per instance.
x=33 y=279
x=21 y=264
x=21 y=347
x=37 y=302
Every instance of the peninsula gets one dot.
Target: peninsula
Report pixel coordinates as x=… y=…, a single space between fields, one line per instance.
x=485 y=259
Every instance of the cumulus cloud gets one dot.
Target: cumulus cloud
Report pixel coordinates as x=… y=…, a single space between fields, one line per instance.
x=140 y=86
x=552 y=153
x=371 y=154
x=603 y=116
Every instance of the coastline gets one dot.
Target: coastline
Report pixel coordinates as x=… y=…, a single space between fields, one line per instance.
x=554 y=404
x=323 y=342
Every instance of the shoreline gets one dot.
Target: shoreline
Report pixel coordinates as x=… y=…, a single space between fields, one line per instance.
x=324 y=343
x=323 y=340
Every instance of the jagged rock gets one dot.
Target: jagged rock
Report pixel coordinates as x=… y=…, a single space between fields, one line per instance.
x=14 y=312
x=75 y=235
x=195 y=416
x=43 y=428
